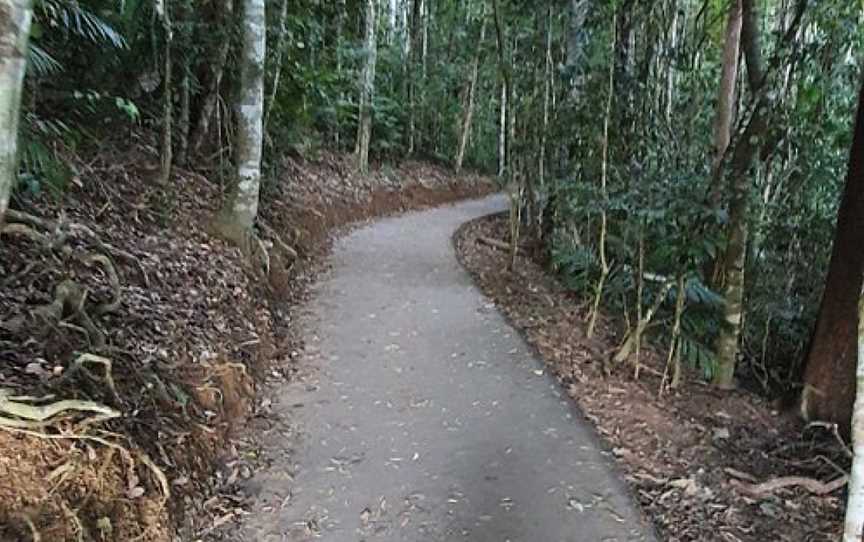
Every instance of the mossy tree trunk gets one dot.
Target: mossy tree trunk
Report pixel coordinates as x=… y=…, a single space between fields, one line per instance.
x=741 y=174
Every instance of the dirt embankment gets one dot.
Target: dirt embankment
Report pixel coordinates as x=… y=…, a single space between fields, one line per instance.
x=705 y=465
x=113 y=295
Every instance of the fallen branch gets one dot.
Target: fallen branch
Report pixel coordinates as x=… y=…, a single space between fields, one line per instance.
x=767 y=488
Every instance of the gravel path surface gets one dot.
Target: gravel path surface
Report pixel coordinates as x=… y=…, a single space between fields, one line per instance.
x=424 y=416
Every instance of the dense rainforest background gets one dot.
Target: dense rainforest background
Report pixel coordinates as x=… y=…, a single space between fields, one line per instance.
x=679 y=164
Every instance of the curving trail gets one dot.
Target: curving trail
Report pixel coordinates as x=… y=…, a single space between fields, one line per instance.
x=424 y=416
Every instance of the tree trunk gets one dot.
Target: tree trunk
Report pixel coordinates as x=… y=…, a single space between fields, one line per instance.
x=547 y=91
x=726 y=99
x=741 y=171
x=241 y=209
x=340 y=30
x=670 y=68
x=472 y=90
x=502 y=131
x=854 y=524
x=208 y=103
x=166 y=151
x=829 y=376
x=367 y=89
x=415 y=46
x=507 y=126
x=185 y=99
x=277 y=64
x=14 y=34
x=576 y=38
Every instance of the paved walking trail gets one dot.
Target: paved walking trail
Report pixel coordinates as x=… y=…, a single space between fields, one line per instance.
x=424 y=416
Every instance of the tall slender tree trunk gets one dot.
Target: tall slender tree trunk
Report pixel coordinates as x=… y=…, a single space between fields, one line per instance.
x=183 y=121
x=340 y=38
x=670 y=68
x=416 y=48
x=726 y=98
x=507 y=127
x=830 y=366
x=166 y=151
x=15 y=19
x=241 y=209
x=502 y=131
x=211 y=98
x=741 y=173
x=277 y=63
x=547 y=91
x=468 y=115
x=576 y=38
x=854 y=523
x=367 y=88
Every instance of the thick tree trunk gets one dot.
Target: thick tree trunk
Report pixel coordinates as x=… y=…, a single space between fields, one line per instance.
x=241 y=209
x=829 y=377
x=367 y=88
x=209 y=102
x=741 y=171
x=15 y=18
x=468 y=115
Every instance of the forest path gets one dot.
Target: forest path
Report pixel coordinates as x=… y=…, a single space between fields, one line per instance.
x=424 y=416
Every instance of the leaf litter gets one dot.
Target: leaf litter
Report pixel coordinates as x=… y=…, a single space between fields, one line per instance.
x=696 y=470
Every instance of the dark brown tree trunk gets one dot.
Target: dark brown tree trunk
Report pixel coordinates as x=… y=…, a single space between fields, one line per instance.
x=829 y=374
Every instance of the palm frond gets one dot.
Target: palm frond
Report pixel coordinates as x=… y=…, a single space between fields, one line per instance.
x=78 y=20
x=42 y=62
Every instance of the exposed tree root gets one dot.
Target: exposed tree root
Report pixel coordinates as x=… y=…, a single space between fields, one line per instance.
x=113 y=280
x=70 y=299
x=28 y=521
x=277 y=240
x=767 y=488
x=80 y=365
x=26 y=414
